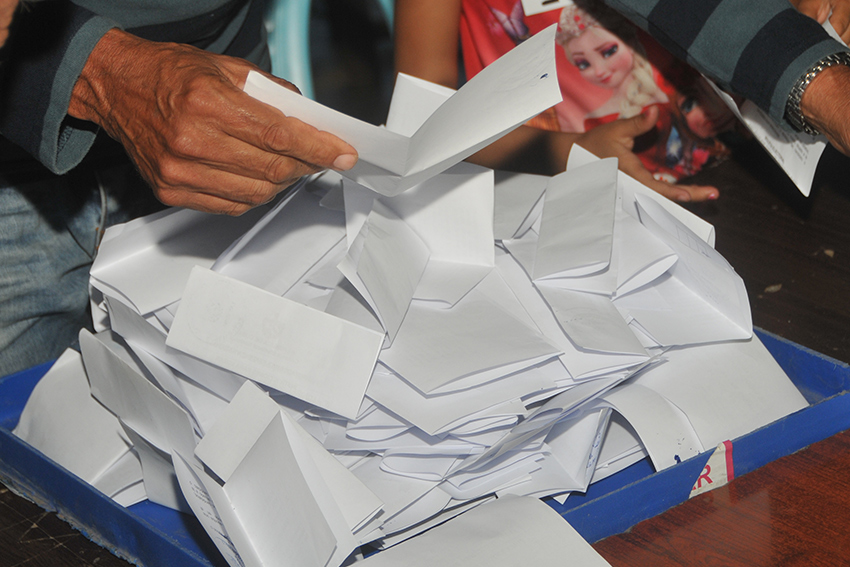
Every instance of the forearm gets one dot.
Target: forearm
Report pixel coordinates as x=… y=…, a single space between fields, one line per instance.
x=426 y=40
x=754 y=48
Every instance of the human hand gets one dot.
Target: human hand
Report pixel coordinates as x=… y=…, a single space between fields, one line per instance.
x=7 y=12
x=820 y=10
x=616 y=139
x=826 y=105
x=195 y=136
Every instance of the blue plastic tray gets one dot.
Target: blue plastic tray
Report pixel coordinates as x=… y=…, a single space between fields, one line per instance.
x=149 y=534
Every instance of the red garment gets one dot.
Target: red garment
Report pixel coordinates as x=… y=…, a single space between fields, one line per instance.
x=490 y=28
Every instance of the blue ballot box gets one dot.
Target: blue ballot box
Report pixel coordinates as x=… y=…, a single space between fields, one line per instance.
x=149 y=534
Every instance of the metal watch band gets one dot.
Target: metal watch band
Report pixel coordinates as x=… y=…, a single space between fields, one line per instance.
x=792 y=106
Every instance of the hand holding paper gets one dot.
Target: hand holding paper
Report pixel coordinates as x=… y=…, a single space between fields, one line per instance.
x=518 y=86
x=192 y=133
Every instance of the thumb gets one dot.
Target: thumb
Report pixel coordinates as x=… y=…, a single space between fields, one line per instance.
x=642 y=123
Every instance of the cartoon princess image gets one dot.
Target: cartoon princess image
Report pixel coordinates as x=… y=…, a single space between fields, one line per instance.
x=609 y=58
x=605 y=49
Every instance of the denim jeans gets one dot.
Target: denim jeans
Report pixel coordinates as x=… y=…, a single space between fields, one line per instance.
x=50 y=227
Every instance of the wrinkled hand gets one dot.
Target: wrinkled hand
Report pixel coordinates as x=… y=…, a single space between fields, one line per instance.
x=195 y=136
x=820 y=10
x=616 y=139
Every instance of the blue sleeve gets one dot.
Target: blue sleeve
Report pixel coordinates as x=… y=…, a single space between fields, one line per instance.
x=48 y=47
x=755 y=48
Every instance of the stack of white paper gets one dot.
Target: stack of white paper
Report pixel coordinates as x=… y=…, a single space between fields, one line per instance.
x=351 y=366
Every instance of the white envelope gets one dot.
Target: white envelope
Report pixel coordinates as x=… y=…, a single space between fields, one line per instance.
x=136 y=401
x=436 y=346
x=62 y=420
x=577 y=227
x=284 y=345
x=631 y=187
x=142 y=336
x=705 y=300
x=291 y=240
x=168 y=244
x=516 y=196
x=504 y=532
x=516 y=87
x=385 y=264
x=727 y=389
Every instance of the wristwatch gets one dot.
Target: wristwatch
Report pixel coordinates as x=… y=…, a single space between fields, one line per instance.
x=792 y=107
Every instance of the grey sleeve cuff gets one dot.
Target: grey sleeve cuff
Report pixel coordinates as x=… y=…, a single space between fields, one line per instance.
x=47 y=49
x=794 y=71
x=64 y=140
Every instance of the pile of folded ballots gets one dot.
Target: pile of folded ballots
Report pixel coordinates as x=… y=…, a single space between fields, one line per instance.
x=347 y=366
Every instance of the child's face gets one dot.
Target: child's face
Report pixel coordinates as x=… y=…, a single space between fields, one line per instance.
x=601 y=57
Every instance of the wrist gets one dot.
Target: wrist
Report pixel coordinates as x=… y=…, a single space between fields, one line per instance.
x=89 y=97
x=811 y=101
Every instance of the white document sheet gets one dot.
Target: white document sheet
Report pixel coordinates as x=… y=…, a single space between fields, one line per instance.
x=727 y=390
x=136 y=401
x=433 y=413
x=797 y=153
x=436 y=346
x=142 y=336
x=284 y=345
x=62 y=420
x=413 y=101
x=516 y=196
x=591 y=321
x=346 y=502
x=146 y=262
x=706 y=301
x=295 y=237
x=631 y=187
x=664 y=430
x=385 y=264
x=506 y=532
x=516 y=87
x=577 y=227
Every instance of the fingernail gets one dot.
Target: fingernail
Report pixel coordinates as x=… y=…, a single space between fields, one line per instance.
x=345 y=162
x=713 y=196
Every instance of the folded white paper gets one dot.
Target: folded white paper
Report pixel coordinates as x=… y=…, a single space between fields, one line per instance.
x=516 y=87
x=297 y=350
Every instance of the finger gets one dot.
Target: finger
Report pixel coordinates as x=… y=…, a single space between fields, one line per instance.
x=632 y=165
x=268 y=129
x=232 y=155
x=840 y=20
x=216 y=191
x=699 y=193
x=815 y=9
x=205 y=203
x=636 y=125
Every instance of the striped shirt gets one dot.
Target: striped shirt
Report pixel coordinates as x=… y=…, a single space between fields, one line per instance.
x=754 y=48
